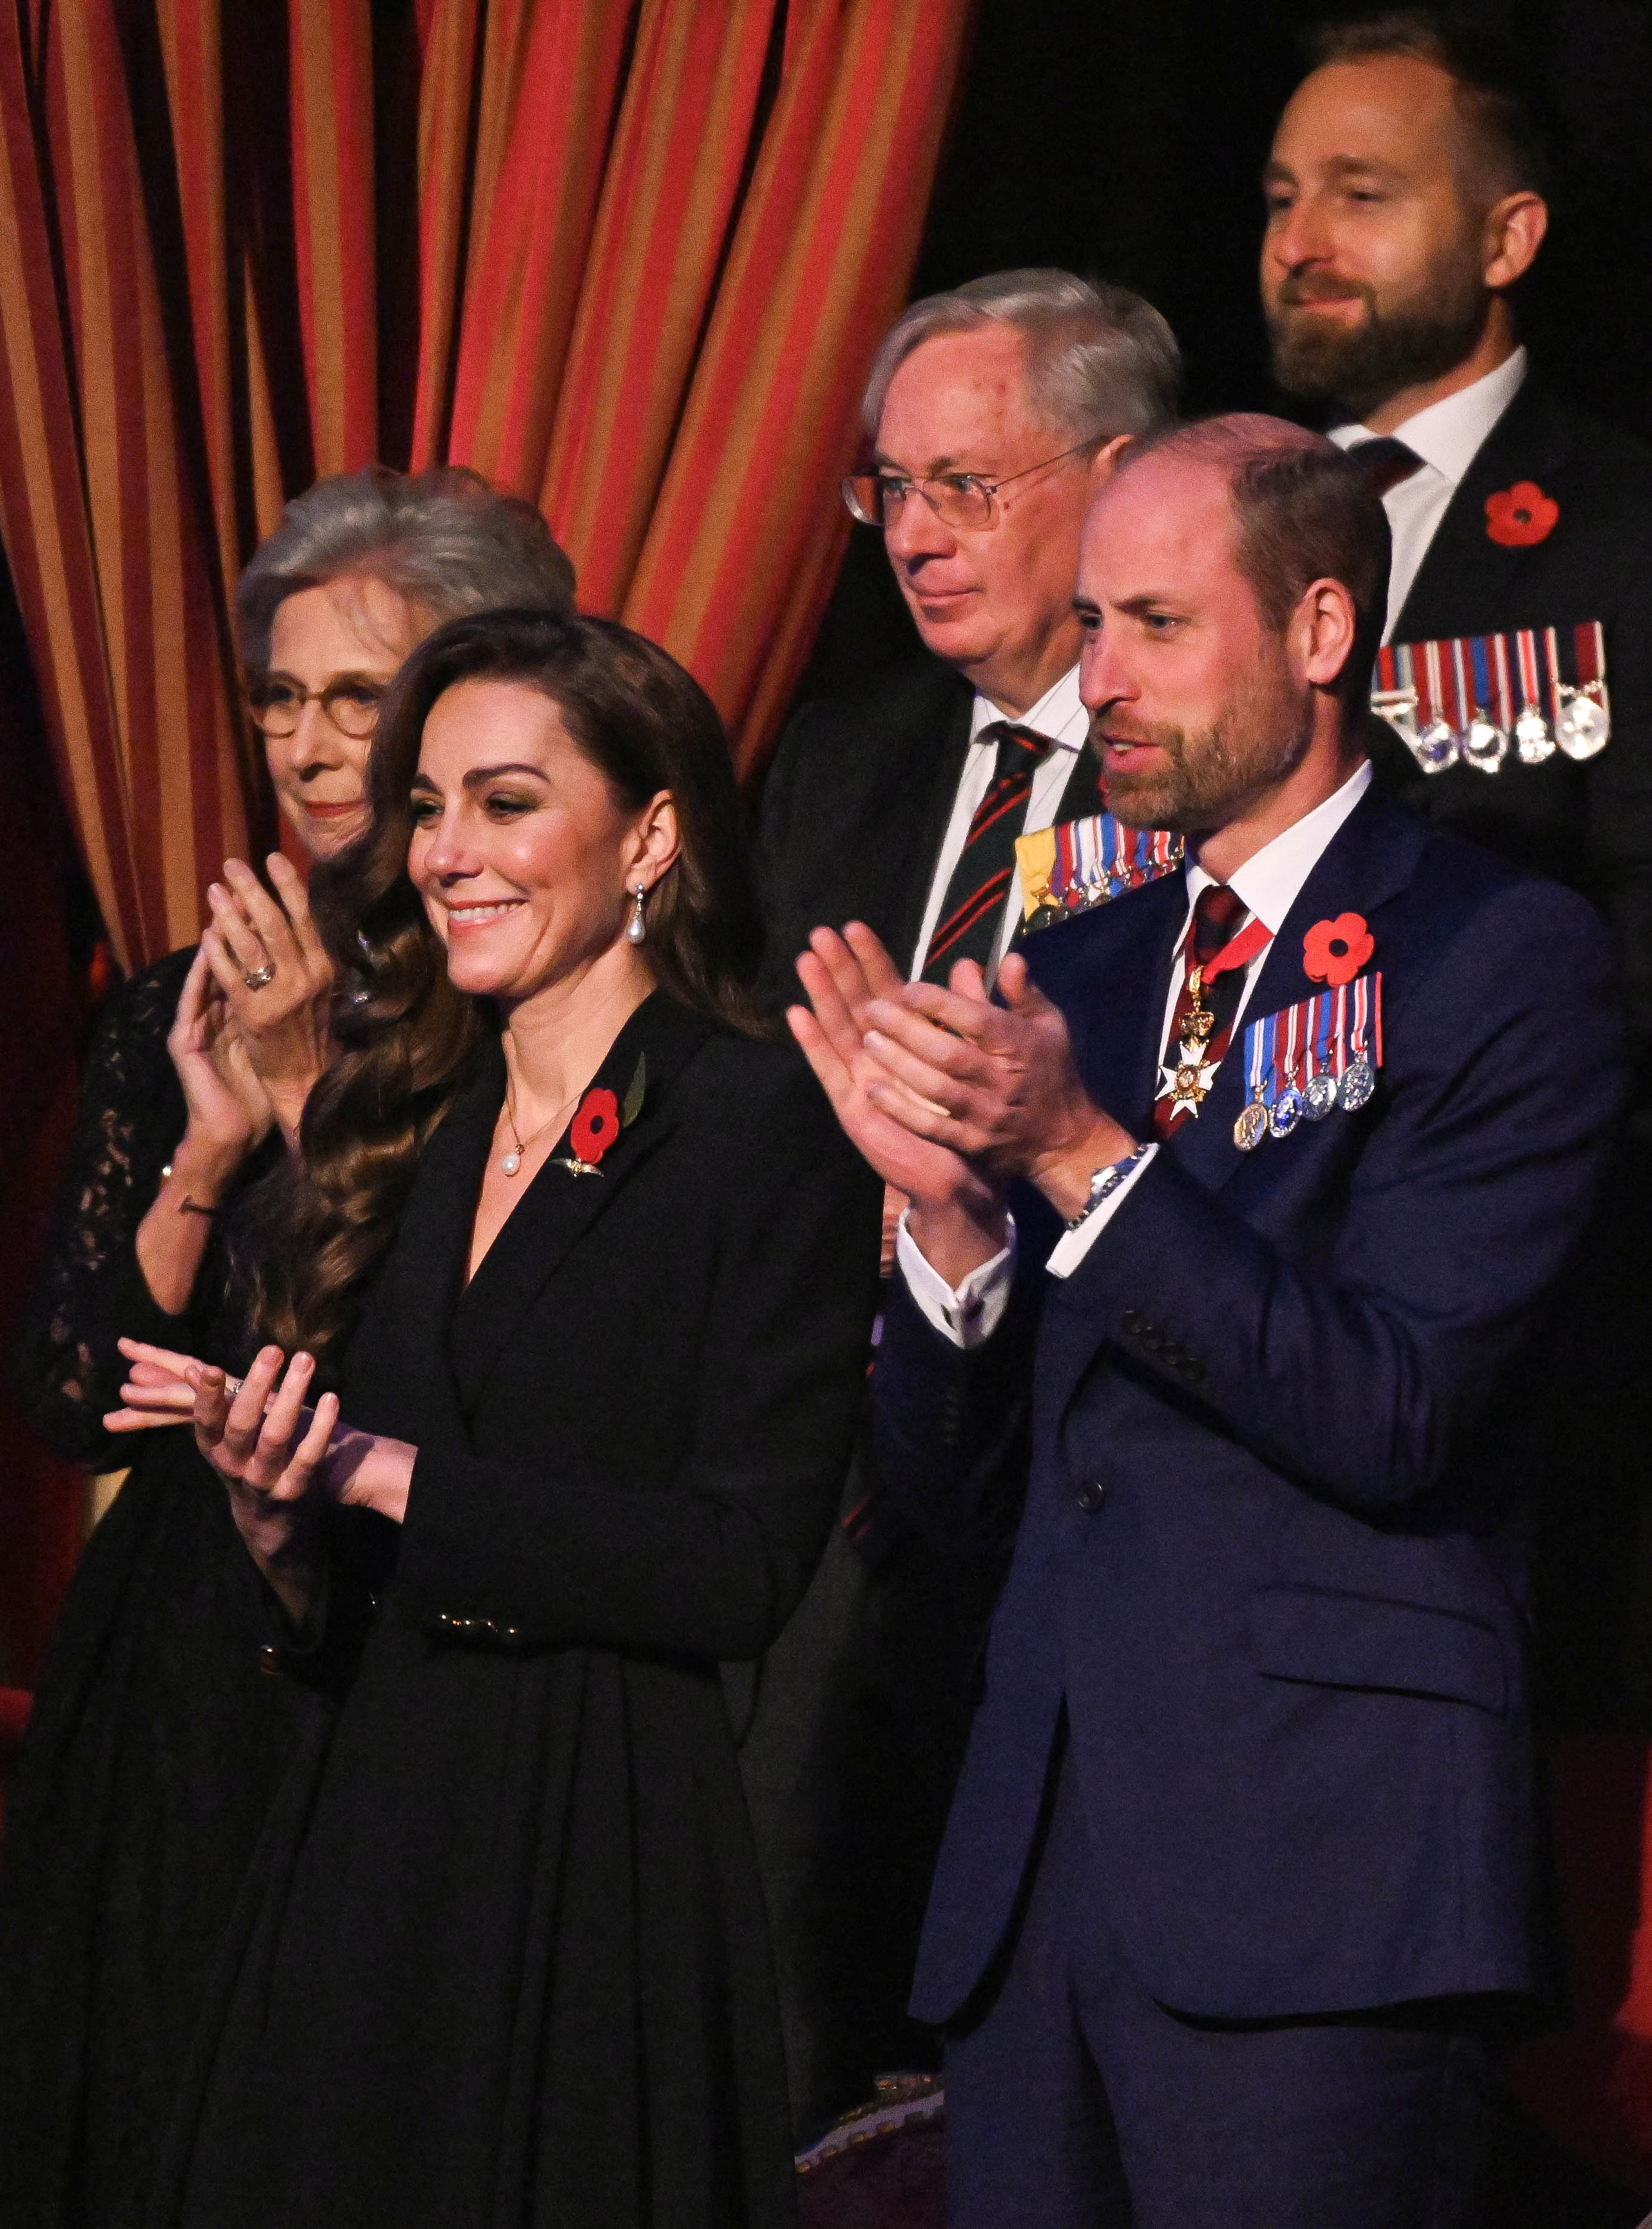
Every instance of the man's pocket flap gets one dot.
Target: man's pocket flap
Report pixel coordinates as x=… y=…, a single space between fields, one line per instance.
x=1331 y=1640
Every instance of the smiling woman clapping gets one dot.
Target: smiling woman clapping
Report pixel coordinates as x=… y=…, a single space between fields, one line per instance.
x=588 y=1278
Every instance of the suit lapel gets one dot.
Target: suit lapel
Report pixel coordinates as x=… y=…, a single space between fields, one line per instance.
x=426 y=1272
x=1083 y=795
x=1463 y=568
x=923 y=815
x=1371 y=856
x=559 y=1206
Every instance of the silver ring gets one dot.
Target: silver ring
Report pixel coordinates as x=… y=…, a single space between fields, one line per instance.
x=256 y=978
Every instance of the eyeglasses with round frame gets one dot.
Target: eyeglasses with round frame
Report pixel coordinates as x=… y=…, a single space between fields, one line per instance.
x=350 y=701
x=957 y=499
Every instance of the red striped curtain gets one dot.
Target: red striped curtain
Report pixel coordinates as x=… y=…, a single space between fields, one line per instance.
x=630 y=261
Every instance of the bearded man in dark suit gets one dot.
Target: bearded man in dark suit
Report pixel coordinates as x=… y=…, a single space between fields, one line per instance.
x=1235 y=1228
x=1404 y=201
x=992 y=414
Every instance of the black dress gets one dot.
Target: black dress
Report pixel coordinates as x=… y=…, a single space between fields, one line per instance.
x=503 y=1962
x=155 y=1744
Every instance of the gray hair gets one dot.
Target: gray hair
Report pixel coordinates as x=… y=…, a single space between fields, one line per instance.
x=442 y=538
x=1100 y=361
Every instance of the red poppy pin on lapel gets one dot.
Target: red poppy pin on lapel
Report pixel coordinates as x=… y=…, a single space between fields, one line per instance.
x=599 y=1120
x=1521 y=516
x=1334 y=951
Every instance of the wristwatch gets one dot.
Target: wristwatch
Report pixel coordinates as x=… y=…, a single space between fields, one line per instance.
x=1103 y=1184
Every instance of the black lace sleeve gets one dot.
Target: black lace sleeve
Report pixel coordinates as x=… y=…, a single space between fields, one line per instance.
x=91 y=1290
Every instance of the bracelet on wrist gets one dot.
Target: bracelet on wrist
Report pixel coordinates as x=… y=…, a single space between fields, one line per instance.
x=1103 y=1183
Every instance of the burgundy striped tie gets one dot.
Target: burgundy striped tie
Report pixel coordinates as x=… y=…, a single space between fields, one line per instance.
x=973 y=910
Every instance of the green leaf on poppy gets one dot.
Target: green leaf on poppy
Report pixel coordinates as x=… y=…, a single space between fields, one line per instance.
x=633 y=1102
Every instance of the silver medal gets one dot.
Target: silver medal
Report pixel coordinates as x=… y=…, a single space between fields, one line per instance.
x=1320 y=1096
x=1285 y=1112
x=1437 y=747
x=1584 y=726
x=1532 y=741
x=1485 y=744
x=1359 y=1081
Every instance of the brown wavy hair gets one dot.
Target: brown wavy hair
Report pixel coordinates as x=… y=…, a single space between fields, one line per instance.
x=406 y=1038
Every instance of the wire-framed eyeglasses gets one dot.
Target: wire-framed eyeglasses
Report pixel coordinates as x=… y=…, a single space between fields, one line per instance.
x=957 y=499
x=351 y=702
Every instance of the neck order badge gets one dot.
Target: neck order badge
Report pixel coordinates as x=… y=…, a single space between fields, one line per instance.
x=1203 y=1023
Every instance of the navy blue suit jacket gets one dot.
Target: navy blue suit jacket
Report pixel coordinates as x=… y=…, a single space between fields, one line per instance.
x=1278 y=1429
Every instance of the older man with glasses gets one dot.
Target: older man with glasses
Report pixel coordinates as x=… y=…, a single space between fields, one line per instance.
x=992 y=415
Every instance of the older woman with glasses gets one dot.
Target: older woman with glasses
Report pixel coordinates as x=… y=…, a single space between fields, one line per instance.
x=155 y=1741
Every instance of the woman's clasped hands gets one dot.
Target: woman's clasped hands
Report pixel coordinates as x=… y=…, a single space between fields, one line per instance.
x=282 y=1460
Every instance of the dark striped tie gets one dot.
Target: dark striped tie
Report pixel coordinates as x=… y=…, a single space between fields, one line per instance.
x=973 y=910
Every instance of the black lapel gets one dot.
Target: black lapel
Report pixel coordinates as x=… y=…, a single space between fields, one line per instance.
x=559 y=1206
x=425 y=1275
x=1373 y=855
x=1464 y=571
x=925 y=812
x=1083 y=794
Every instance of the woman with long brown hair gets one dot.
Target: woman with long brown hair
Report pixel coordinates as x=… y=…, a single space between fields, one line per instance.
x=587 y=1276
x=156 y=1744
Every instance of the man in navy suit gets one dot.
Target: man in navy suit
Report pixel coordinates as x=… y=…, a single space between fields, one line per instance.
x=1241 y=1881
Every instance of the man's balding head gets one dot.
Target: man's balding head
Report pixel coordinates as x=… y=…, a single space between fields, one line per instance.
x=1233 y=577
x=1302 y=513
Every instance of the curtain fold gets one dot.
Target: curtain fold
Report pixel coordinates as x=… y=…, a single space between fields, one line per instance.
x=629 y=261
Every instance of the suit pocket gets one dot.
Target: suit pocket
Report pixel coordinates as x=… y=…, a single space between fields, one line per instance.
x=1326 y=1638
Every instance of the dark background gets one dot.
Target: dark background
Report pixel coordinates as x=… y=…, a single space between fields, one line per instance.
x=1126 y=142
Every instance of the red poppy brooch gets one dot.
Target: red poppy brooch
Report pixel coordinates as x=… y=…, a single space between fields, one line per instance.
x=1334 y=951
x=1521 y=516
x=599 y=1121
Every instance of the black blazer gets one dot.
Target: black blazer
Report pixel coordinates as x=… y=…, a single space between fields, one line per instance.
x=505 y=1951
x=856 y=809
x=1590 y=826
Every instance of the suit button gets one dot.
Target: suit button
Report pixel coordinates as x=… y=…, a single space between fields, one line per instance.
x=1090 y=1496
x=269 y=1658
x=1193 y=1369
x=1135 y=1322
x=1152 y=1340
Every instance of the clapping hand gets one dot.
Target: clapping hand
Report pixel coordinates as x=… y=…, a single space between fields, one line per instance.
x=997 y=1085
x=270 y=963
x=228 y=1108
x=958 y=1215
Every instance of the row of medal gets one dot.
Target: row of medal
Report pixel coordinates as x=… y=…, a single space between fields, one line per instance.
x=1085 y=862
x=1307 y=1060
x=1473 y=701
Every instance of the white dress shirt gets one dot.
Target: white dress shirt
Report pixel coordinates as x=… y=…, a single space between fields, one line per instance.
x=1058 y=715
x=1269 y=884
x=1447 y=436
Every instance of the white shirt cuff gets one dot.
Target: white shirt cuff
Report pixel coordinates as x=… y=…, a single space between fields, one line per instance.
x=1072 y=1246
x=975 y=1311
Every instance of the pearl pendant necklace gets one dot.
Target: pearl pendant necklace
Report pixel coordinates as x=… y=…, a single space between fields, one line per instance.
x=512 y=1161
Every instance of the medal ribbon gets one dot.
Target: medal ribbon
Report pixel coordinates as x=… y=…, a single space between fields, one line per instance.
x=1323 y=1035
x=1098 y=856
x=1450 y=678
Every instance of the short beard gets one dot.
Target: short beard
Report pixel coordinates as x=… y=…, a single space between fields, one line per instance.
x=1406 y=346
x=1213 y=774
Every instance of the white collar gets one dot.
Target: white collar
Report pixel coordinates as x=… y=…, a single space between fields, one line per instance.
x=1058 y=714
x=1271 y=880
x=1449 y=434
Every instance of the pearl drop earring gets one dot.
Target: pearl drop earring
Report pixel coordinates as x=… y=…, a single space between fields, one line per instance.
x=637 y=927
